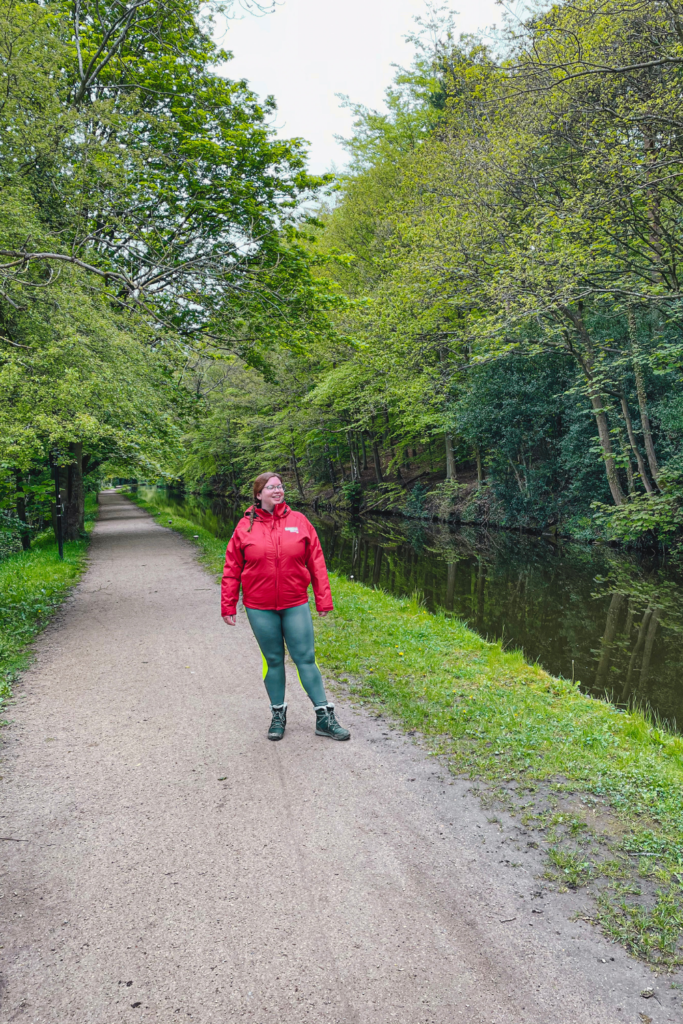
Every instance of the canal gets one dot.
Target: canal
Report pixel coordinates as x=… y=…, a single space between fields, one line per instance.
x=609 y=619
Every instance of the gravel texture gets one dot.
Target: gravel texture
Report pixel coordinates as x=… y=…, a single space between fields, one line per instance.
x=175 y=864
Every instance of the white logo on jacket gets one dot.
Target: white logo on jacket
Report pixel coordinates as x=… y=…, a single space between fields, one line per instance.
x=292 y=529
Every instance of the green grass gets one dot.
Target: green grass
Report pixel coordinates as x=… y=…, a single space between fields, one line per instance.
x=32 y=585
x=601 y=788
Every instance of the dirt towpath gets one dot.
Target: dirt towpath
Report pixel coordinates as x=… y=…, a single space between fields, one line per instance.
x=177 y=865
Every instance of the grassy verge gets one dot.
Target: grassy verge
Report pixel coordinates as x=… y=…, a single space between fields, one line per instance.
x=601 y=788
x=32 y=585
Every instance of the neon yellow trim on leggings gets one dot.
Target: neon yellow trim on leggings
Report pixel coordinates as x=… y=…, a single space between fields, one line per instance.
x=265 y=667
x=299 y=677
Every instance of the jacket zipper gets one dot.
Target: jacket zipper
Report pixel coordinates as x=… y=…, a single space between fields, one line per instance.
x=277 y=564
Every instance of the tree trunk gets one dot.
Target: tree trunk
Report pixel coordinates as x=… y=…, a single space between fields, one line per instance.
x=74 y=507
x=585 y=361
x=355 y=467
x=58 y=474
x=295 y=467
x=451 y=570
x=387 y=432
x=365 y=454
x=628 y=462
x=480 y=468
x=613 y=614
x=377 y=461
x=377 y=566
x=25 y=532
x=330 y=466
x=450 y=460
x=642 y=397
x=640 y=641
x=355 y=548
x=618 y=496
x=517 y=476
x=649 y=644
x=630 y=479
x=341 y=465
x=642 y=471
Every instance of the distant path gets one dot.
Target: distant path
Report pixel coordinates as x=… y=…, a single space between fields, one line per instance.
x=320 y=882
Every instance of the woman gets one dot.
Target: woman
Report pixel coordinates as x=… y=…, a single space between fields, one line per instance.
x=275 y=553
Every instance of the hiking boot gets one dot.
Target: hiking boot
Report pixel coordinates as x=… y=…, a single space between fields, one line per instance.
x=327 y=725
x=278 y=723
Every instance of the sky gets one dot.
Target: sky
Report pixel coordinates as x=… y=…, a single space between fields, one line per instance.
x=307 y=51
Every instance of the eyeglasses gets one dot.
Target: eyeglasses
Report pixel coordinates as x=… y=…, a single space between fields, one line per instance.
x=273 y=487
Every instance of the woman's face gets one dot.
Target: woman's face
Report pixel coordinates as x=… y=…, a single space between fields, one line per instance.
x=272 y=494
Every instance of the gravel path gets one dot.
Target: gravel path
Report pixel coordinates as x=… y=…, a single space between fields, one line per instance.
x=175 y=864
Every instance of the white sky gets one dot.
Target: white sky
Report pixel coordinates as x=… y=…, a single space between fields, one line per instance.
x=307 y=51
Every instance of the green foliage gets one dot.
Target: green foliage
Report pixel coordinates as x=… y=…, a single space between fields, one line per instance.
x=509 y=269
x=84 y=374
x=415 y=504
x=658 y=515
x=495 y=289
x=154 y=172
x=572 y=870
x=33 y=584
x=38 y=493
x=149 y=224
x=353 y=492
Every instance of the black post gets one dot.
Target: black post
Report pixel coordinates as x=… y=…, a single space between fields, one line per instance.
x=58 y=509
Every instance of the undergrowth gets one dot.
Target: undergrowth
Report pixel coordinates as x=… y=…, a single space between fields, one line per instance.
x=32 y=586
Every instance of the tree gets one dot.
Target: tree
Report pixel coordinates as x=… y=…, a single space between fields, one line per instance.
x=135 y=177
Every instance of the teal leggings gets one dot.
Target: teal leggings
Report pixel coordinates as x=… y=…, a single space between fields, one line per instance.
x=295 y=626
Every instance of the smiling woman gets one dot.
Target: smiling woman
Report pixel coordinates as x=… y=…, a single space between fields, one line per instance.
x=275 y=554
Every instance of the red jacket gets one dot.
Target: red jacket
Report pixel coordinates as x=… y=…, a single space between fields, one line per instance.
x=274 y=563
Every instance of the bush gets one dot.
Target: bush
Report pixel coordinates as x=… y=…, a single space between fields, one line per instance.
x=414 y=507
x=353 y=492
x=654 y=517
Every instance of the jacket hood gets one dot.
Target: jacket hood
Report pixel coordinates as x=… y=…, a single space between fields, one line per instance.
x=280 y=510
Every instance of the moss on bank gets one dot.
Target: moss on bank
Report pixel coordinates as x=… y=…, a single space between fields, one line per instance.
x=601 y=787
x=32 y=586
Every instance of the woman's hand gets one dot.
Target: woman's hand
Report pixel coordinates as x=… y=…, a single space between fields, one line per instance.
x=229 y=620
x=322 y=615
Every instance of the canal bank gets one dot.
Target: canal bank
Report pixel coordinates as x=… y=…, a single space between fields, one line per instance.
x=610 y=619
x=599 y=787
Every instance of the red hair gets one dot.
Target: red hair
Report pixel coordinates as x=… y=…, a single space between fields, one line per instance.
x=259 y=483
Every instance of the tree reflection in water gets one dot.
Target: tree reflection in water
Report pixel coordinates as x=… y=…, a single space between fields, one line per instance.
x=634 y=649
x=616 y=619
x=613 y=620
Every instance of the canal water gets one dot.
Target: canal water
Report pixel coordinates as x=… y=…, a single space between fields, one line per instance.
x=612 y=620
